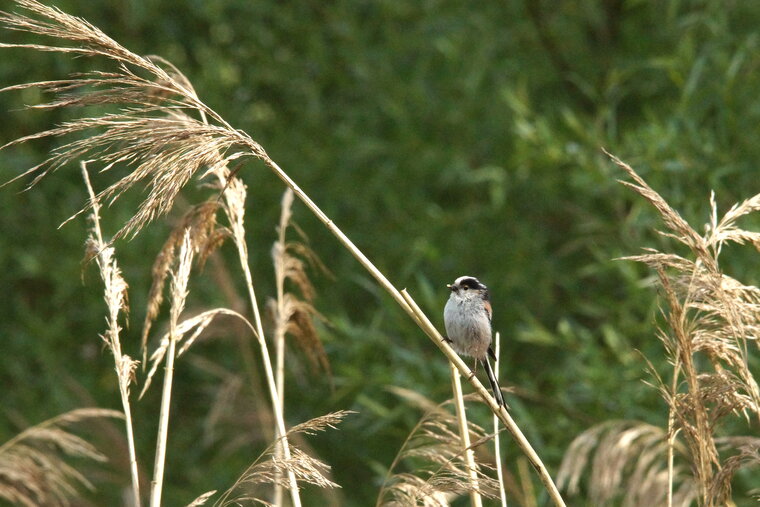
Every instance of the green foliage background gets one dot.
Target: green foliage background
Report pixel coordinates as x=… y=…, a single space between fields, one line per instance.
x=445 y=138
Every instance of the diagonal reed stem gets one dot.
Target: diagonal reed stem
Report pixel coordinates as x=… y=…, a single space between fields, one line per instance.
x=407 y=303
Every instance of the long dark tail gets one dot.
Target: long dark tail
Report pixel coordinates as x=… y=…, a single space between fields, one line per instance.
x=494 y=384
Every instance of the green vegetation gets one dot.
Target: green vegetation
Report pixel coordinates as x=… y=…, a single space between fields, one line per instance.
x=443 y=139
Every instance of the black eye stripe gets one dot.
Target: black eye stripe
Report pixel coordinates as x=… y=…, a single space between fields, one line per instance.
x=470 y=283
x=466 y=283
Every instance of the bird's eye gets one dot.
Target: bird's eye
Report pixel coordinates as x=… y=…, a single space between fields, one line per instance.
x=465 y=287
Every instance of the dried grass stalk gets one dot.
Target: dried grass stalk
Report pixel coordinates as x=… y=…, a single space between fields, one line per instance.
x=234 y=194
x=496 y=435
x=179 y=292
x=117 y=302
x=476 y=500
x=292 y=315
x=33 y=464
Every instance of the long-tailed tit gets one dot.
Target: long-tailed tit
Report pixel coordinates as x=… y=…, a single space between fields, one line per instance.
x=467 y=317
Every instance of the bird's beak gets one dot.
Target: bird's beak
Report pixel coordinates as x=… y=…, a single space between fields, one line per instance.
x=448 y=286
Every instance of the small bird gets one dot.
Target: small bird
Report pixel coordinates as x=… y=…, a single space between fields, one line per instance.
x=467 y=317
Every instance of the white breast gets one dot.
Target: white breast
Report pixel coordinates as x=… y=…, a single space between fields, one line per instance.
x=467 y=326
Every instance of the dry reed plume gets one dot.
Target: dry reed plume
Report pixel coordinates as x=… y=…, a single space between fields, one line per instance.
x=33 y=464
x=292 y=315
x=166 y=136
x=149 y=133
x=206 y=236
x=270 y=469
x=433 y=451
x=711 y=324
x=627 y=462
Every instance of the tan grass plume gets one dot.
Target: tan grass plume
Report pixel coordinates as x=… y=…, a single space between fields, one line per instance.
x=269 y=469
x=711 y=324
x=35 y=467
x=439 y=470
x=164 y=150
